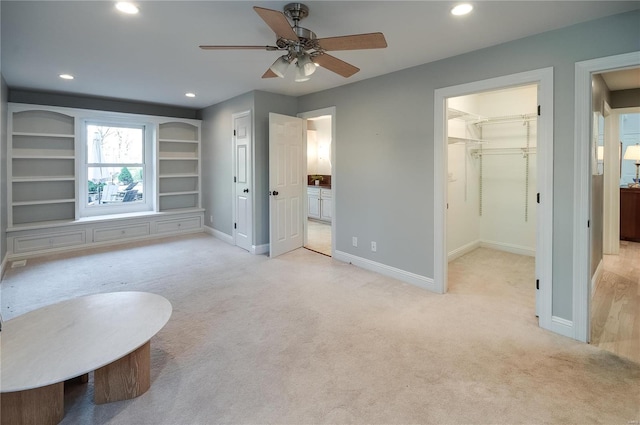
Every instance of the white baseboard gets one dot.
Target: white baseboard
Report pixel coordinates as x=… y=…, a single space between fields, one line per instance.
x=219 y=235
x=405 y=276
x=260 y=249
x=507 y=247
x=465 y=249
x=562 y=326
x=596 y=277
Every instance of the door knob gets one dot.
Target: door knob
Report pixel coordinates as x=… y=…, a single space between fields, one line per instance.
x=275 y=193
x=246 y=191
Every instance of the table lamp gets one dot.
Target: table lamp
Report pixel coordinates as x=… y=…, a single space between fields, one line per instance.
x=633 y=153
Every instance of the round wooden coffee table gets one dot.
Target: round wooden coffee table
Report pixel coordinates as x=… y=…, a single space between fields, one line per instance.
x=105 y=333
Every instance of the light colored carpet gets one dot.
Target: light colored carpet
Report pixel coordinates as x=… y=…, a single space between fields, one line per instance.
x=305 y=339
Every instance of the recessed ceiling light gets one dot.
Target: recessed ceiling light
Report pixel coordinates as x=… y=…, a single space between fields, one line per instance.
x=126 y=7
x=66 y=76
x=461 y=9
x=190 y=94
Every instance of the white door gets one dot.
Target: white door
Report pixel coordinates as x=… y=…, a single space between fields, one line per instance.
x=242 y=193
x=287 y=187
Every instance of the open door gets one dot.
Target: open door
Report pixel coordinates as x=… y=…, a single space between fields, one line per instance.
x=286 y=184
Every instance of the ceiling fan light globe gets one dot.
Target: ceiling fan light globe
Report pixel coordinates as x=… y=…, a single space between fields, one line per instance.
x=280 y=66
x=307 y=66
x=300 y=76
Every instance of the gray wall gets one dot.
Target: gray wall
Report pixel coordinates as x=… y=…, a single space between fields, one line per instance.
x=625 y=98
x=217 y=166
x=3 y=168
x=98 y=103
x=384 y=144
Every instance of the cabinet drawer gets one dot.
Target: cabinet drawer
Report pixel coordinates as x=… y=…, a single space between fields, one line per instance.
x=179 y=225
x=36 y=243
x=325 y=193
x=120 y=232
x=313 y=191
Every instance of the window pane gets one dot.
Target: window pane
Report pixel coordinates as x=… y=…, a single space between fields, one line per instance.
x=106 y=144
x=115 y=185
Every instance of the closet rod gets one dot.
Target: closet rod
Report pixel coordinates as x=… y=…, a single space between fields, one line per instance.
x=507 y=119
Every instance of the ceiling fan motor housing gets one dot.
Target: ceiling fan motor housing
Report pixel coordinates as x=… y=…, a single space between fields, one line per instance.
x=296 y=11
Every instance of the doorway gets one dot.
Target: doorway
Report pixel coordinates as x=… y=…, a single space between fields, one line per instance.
x=319 y=221
x=492 y=181
x=584 y=164
x=542 y=158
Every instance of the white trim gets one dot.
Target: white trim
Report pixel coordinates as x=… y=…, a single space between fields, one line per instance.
x=562 y=326
x=544 y=79
x=582 y=183
x=260 y=249
x=383 y=269
x=463 y=250
x=219 y=235
x=508 y=247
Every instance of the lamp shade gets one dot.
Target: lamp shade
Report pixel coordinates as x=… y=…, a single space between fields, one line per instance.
x=300 y=77
x=280 y=66
x=633 y=152
x=308 y=67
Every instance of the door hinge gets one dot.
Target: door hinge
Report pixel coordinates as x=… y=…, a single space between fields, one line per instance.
x=539 y=110
x=538 y=197
x=235 y=225
x=234 y=132
x=537 y=283
x=234 y=179
x=588 y=224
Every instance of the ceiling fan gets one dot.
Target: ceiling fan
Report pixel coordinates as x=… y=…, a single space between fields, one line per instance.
x=303 y=47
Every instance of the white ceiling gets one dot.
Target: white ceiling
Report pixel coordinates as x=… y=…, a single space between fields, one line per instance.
x=154 y=56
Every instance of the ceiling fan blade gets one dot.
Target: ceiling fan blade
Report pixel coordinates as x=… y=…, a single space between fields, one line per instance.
x=277 y=22
x=373 y=40
x=269 y=74
x=336 y=65
x=207 y=47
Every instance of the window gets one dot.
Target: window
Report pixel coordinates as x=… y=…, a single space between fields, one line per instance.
x=118 y=169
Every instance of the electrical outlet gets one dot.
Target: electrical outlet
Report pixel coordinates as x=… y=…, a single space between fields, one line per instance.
x=374 y=247
x=354 y=241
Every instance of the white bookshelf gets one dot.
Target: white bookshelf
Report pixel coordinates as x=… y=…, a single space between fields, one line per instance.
x=178 y=166
x=41 y=167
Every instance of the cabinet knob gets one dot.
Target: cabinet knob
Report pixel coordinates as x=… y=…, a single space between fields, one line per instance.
x=246 y=191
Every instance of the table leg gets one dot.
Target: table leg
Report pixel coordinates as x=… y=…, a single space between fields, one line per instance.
x=39 y=406
x=126 y=378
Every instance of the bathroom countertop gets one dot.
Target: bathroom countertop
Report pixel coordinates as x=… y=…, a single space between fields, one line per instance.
x=322 y=186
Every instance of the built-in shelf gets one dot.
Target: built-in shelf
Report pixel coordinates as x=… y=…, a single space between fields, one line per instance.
x=178 y=166
x=41 y=166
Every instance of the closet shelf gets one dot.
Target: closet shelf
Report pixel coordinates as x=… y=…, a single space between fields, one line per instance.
x=524 y=152
x=466 y=141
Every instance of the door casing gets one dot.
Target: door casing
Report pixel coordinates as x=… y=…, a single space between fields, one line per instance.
x=330 y=111
x=544 y=240
x=582 y=185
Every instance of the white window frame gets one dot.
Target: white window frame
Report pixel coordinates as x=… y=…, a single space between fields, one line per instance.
x=149 y=167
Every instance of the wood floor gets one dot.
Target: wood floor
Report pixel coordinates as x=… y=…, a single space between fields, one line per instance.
x=615 y=306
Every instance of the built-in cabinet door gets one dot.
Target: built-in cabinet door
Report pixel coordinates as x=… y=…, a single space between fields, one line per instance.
x=314 y=205
x=325 y=209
